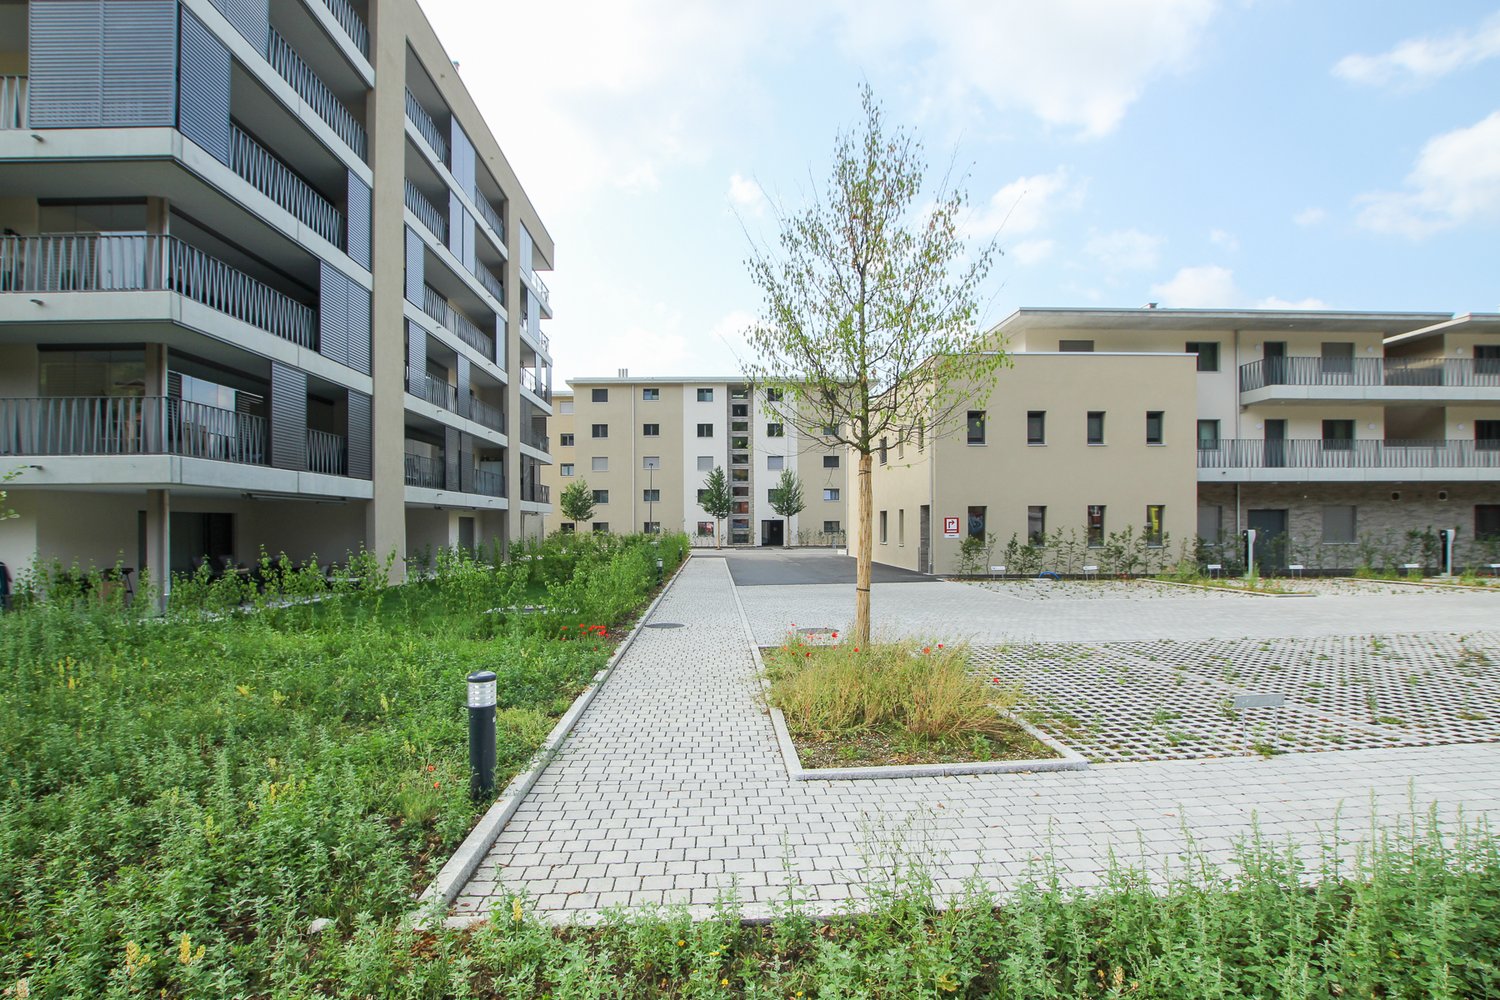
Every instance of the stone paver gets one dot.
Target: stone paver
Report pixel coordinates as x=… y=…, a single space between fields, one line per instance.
x=671 y=789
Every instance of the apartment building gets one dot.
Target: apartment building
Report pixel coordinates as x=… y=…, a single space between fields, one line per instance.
x=1330 y=433
x=645 y=446
x=266 y=280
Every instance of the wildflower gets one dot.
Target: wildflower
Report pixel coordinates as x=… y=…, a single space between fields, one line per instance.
x=515 y=909
x=437 y=784
x=809 y=654
x=724 y=982
x=926 y=649
x=431 y=767
x=681 y=943
x=185 y=953
x=835 y=635
x=856 y=649
x=940 y=645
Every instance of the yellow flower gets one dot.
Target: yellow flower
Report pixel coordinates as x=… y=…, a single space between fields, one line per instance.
x=515 y=909
x=723 y=982
x=185 y=953
x=680 y=942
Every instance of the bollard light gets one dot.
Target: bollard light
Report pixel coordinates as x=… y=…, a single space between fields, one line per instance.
x=482 y=734
x=658 y=569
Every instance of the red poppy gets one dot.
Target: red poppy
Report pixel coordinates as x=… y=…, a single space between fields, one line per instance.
x=926 y=649
x=437 y=784
x=432 y=767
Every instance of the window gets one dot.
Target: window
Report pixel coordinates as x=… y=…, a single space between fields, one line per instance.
x=739 y=426
x=705 y=463
x=739 y=410
x=1487 y=435
x=1338 y=358
x=773 y=395
x=1208 y=435
x=976 y=522
x=1096 y=525
x=564 y=406
x=651 y=430
x=1487 y=359
x=565 y=440
x=651 y=496
x=775 y=431
x=652 y=527
x=599 y=463
x=830 y=461
x=601 y=526
x=650 y=395
x=1036 y=525
x=739 y=475
x=1155 y=514
x=599 y=430
x=567 y=527
x=600 y=395
x=705 y=395
x=1208 y=354
x=1153 y=426
x=883 y=451
x=1036 y=426
x=1487 y=520
x=883 y=526
x=739 y=491
x=566 y=469
x=901 y=526
x=1096 y=427
x=651 y=462
x=921 y=434
x=831 y=528
x=702 y=496
x=1076 y=346
x=705 y=430
x=976 y=426
x=601 y=496
x=739 y=442
x=1338 y=524
x=775 y=463
x=1338 y=435
x=1210 y=523
x=705 y=528
x=830 y=430
x=830 y=495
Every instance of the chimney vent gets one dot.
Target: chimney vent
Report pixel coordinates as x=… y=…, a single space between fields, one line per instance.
x=624 y=372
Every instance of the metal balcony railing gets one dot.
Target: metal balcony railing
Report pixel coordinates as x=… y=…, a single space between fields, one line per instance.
x=310 y=87
x=426 y=126
x=440 y=309
x=353 y=25
x=543 y=293
x=424 y=471
x=532 y=381
x=434 y=390
x=535 y=439
x=487 y=213
x=277 y=181
x=13 y=91
x=490 y=282
x=426 y=211
x=533 y=332
x=129 y=425
x=1344 y=454
x=1370 y=372
x=483 y=413
x=490 y=484
x=94 y=262
x=327 y=453
x=535 y=492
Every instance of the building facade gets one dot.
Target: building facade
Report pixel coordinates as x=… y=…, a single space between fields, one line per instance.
x=266 y=280
x=646 y=445
x=1342 y=438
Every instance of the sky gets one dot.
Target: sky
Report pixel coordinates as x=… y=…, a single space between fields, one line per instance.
x=1340 y=154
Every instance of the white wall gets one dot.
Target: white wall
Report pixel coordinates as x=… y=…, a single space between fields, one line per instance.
x=694 y=413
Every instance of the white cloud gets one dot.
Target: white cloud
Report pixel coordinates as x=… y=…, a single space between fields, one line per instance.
x=1310 y=216
x=1206 y=286
x=1223 y=239
x=1124 y=249
x=1275 y=302
x=1032 y=251
x=746 y=194
x=1456 y=180
x=1416 y=61
x=1027 y=204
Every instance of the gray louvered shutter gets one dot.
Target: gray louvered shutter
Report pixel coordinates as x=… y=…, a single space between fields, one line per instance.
x=203 y=88
x=466 y=462
x=450 y=457
x=462 y=156
x=333 y=314
x=250 y=18
x=140 y=63
x=66 y=63
x=415 y=267
x=455 y=217
x=357 y=221
x=416 y=354
x=463 y=385
x=357 y=311
x=288 y=417
x=360 y=431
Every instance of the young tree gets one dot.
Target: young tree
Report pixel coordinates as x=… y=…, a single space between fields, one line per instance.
x=869 y=322
x=786 y=500
x=577 y=502
x=717 y=502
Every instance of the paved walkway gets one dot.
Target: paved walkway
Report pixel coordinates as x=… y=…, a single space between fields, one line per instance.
x=672 y=790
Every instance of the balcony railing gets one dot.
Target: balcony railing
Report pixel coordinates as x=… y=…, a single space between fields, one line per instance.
x=285 y=60
x=490 y=484
x=13 y=104
x=434 y=305
x=1370 y=372
x=539 y=287
x=434 y=390
x=483 y=413
x=426 y=126
x=426 y=211
x=535 y=439
x=488 y=213
x=93 y=262
x=353 y=25
x=1340 y=454
x=490 y=282
x=424 y=471
x=129 y=425
x=535 y=492
x=532 y=381
x=276 y=181
x=533 y=333
x=327 y=453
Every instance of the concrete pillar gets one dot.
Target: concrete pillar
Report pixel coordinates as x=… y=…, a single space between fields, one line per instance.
x=158 y=542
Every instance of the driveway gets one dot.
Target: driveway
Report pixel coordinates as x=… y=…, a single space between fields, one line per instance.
x=770 y=567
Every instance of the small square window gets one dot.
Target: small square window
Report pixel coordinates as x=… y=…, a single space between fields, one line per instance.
x=1036 y=426
x=1338 y=435
x=773 y=395
x=705 y=395
x=706 y=528
x=775 y=463
x=651 y=430
x=564 y=406
x=651 y=462
x=1208 y=354
x=565 y=440
x=600 y=430
x=705 y=430
x=1487 y=520
x=831 y=527
x=830 y=461
x=599 y=463
x=1153 y=426
x=650 y=394
x=705 y=463
x=601 y=526
x=651 y=496
x=1096 y=427
x=830 y=494
x=652 y=527
x=976 y=426
x=600 y=395
x=567 y=527
x=775 y=430
x=830 y=430
x=565 y=469
x=601 y=496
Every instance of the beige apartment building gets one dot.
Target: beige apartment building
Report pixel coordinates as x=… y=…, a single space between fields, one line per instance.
x=646 y=445
x=267 y=280
x=1334 y=435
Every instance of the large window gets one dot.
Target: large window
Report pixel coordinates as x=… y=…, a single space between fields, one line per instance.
x=1338 y=358
x=651 y=430
x=599 y=395
x=1338 y=435
x=564 y=406
x=977 y=517
x=599 y=430
x=1036 y=525
x=599 y=463
x=1155 y=514
x=1339 y=524
x=1036 y=426
x=976 y=427
x=1208 y=435
x=1096 y=525
x=1153 y=426
x=1208 y=354
x=1487 y=359
x=1096 y=427
x=1487 y=435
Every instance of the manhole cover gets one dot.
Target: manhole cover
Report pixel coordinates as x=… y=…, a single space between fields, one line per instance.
x=665 y=625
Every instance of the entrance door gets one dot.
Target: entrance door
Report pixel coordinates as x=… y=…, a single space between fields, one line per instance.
x=1275 y=444
x=924 y=539
x=1270 y=539
x=1273 y=360
x=466 y=534
x=772 y=532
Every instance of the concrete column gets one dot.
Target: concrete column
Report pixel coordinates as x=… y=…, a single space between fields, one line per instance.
x=158 y=542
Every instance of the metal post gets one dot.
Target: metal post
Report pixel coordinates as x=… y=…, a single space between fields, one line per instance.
x=658 y=570
x=482 y=734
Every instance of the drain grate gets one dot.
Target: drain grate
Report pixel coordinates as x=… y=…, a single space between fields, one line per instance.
x=664 y=625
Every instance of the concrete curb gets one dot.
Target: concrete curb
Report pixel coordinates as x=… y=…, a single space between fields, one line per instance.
x=1433 y=584
x=1228 y=590
x=467 y=857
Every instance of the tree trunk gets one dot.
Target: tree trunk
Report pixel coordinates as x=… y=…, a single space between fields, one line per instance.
x=864 y=554
x=718 y=533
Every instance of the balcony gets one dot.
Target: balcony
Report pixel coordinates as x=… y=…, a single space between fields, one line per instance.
x=533 y=332
x=13 y=90
x=461 y=326
x=327 y=453
x=543 y=293
x=353 y=25
x=483 y=413
x=130 y=425
x=536 y=492
x=490 y=484
x=490 y=282
x=433 y=390
x=285 y=60
x=424 y=472
x=428 y=128
x=274 y=179
x=92 y=262
x=486 y=212
x=1341 y=460
x=426 y=212
x=1373 y=380
x=531 y=380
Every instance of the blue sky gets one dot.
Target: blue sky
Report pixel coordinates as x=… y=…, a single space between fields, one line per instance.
x=1190 y=152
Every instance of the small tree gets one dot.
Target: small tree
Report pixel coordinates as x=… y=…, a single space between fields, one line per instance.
x=577 y=502
x=717 y=501
x=787 y=500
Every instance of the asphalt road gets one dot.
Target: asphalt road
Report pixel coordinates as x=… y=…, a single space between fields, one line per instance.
x=796 y=567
